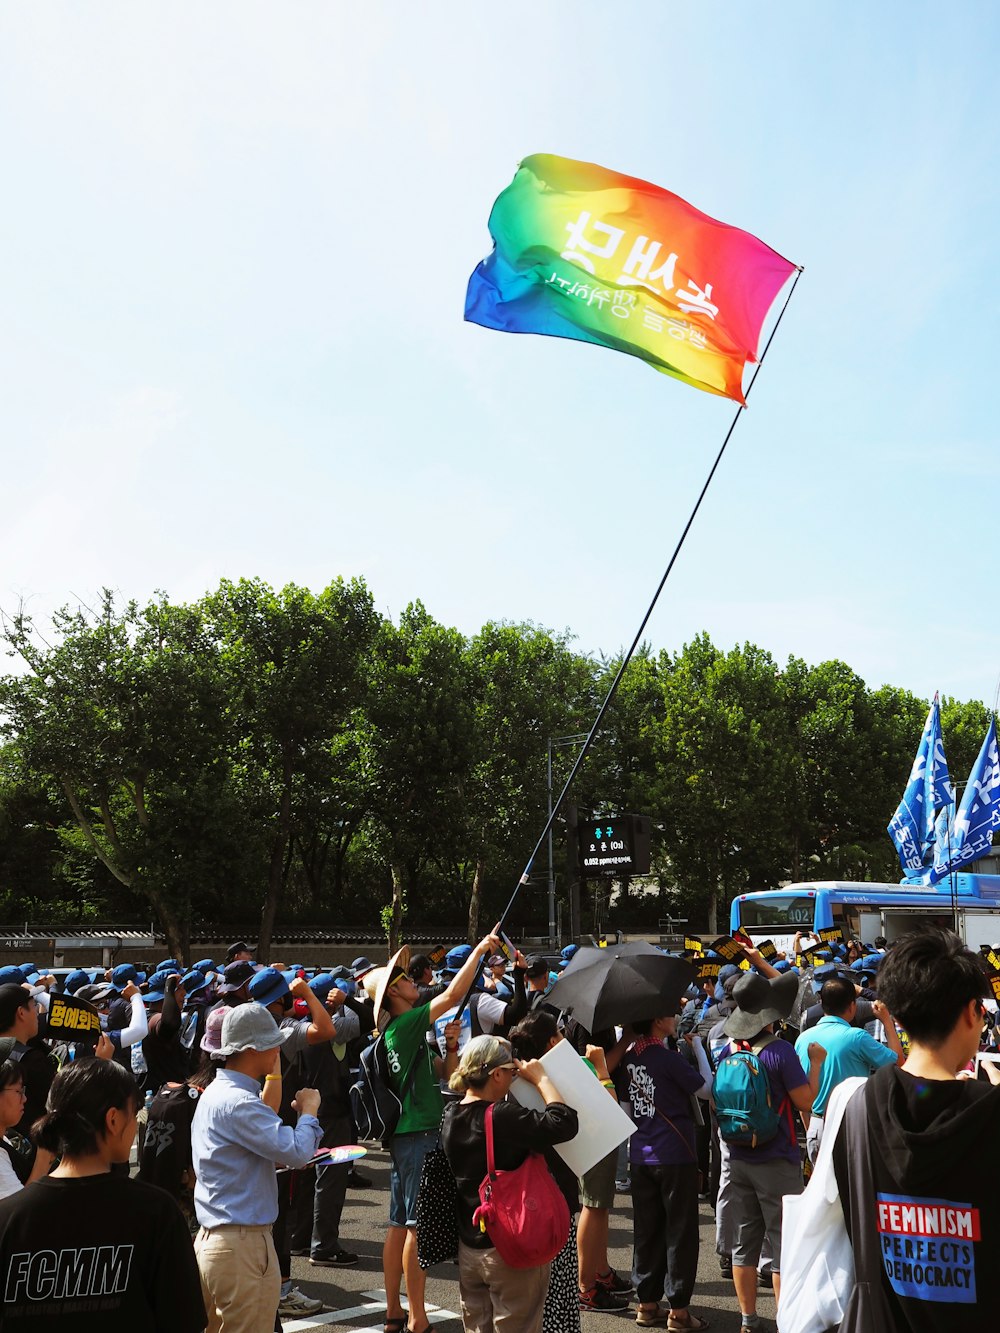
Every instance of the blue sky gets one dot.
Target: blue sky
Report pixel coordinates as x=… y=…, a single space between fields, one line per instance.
x=236 y=240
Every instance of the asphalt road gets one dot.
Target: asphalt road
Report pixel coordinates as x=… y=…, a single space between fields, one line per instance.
x=355 y=1300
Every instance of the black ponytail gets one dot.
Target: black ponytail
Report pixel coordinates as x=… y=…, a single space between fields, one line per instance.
x=79 y=1100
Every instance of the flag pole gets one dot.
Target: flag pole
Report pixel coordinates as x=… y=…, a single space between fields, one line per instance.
x=952 y=875
x=554 y=813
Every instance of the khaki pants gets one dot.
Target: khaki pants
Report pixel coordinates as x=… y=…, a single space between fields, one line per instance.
x=240 y=1281
x=497 y=1298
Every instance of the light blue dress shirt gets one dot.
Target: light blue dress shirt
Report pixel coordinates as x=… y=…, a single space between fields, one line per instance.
x=236 y=1141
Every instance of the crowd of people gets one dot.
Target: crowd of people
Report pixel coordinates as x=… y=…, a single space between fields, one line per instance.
x=237 y=1077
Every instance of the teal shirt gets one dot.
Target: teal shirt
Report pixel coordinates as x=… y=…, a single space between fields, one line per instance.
x=850 y=1053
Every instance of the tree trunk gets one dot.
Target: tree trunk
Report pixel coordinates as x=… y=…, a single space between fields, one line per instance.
x=269 y=911
x=395 y=929
x=276 y=867
x=474 y=900
x=176 y=927
x=713 y=912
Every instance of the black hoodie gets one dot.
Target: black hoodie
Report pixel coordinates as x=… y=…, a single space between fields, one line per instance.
x=937 y=1219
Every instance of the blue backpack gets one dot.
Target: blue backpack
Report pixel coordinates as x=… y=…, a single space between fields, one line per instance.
x=741 y=1092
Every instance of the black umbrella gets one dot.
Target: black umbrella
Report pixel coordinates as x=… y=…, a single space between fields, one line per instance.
x=621 y=984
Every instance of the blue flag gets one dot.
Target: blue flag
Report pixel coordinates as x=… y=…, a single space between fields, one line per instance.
x=928 y=791
x=978 y=815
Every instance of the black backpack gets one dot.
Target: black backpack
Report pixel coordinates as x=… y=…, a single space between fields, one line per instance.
x=375 y=1105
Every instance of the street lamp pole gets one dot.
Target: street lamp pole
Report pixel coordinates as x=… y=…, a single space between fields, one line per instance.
x=576 y=739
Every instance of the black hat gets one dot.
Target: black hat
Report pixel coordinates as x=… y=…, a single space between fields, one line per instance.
x=240 y=946
x=759 y=1002
x=537 y=967
x=236 y=976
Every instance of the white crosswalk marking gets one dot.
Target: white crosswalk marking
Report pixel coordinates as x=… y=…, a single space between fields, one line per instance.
x=374 y=1304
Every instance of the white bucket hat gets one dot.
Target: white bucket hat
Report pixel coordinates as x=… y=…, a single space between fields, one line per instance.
x=249 y=1027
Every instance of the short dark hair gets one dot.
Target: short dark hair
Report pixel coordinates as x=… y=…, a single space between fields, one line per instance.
x=926 y=981
x=530 y=1039
x=836 y=996
x=79 y=1100
x=12 y=998
x=419 y=964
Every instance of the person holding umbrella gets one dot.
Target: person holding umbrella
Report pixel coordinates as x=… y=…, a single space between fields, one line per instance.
x=625 y=984
x=660 y=1084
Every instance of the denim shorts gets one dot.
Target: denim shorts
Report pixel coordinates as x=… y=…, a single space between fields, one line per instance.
x=407 y=1152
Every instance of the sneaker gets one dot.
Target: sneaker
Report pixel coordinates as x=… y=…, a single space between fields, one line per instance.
x=339 y=1259
x=299 y=1253
x=725 y=1265
x=598 y=1298
x=623 y=1186
x=356 y=1180
x=612 y=1281
x=765 y=1279
x=296 y=1304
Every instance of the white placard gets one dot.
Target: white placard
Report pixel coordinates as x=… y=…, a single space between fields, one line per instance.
x=603 y=1123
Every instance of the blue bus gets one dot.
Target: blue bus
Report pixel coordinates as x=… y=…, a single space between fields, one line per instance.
x=864 y=911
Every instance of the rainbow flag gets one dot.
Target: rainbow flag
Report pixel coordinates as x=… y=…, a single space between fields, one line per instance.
x=583 y=252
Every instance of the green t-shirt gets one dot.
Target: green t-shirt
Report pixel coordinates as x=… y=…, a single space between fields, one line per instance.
x=405 y=1038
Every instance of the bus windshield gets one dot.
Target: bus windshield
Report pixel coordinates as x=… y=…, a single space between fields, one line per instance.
x=775 y=911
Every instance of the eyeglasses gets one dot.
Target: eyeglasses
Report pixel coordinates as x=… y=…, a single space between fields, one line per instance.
x=15 y=1087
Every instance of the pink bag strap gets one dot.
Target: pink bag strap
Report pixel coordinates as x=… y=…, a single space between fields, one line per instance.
x=491 y=1166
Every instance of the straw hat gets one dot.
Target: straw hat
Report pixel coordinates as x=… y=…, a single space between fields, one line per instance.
x=377 y=982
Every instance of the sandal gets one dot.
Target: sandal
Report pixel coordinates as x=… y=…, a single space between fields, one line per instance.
x=691 y=1322
x=658 y=1317
x=394 y=1325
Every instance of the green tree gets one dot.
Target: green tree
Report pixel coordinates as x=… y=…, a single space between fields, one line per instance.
x=833 y=804
x=724 y=757
x=123 y=713
x=417 y=737
x=527 y=686
x=292 y=665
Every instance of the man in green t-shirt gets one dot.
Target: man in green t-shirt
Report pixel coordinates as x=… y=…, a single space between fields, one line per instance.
x=416 y=1073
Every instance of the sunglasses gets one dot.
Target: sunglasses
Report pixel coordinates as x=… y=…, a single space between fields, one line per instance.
x=505 y=1063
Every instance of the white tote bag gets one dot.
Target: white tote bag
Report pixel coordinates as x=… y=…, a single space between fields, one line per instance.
x=817 y=1262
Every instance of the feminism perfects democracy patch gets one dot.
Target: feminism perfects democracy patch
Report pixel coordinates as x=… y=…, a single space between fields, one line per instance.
x=928 y=1247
